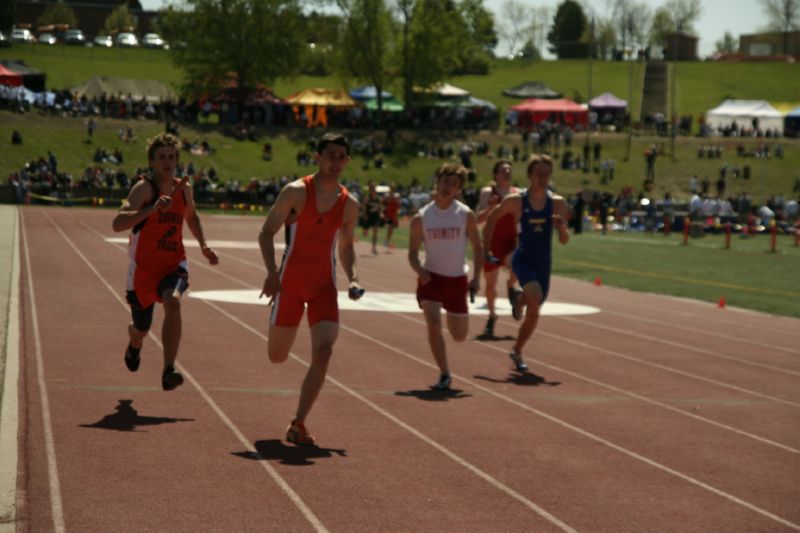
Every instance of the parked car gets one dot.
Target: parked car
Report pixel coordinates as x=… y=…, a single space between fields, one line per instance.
x=47 y=38
x=21 y=36
x=104 y=41
x=126 y=40
x=4 y=40
x=154 y=40
x=75 y=37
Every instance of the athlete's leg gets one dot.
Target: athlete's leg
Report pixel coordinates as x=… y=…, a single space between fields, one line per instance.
x=532 y=299
x=280 y=342
x=323 y=336
x=171 y=329
x=490 y=276
x=136 y=336
x=433 y=317
x=458 y=326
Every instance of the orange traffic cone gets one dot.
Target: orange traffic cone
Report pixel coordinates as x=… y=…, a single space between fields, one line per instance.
x=598 y=281
x=721 y=303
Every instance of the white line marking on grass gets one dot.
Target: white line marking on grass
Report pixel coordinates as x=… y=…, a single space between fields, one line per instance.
x=594 y=437
x=276 y=477
x=9 y=418
x=56 y=505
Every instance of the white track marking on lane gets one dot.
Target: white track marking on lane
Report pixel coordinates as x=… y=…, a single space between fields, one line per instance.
x=431 y=442
x=9 y=418
x=596 y=438
x=682 y=346
x=276 y=477
x=56 y=502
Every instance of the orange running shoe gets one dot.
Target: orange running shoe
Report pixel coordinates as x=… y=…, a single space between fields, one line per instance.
x=298 y=434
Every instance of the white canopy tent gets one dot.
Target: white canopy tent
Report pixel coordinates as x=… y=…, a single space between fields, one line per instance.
x=743 y=112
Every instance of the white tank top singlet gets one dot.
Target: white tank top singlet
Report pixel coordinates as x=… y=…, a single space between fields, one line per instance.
x=445 y=233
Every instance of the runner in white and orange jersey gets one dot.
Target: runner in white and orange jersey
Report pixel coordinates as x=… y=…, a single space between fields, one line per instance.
x=157 y=269
x=316 y=211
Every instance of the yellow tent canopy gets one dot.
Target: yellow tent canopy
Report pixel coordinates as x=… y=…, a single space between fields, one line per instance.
x=321 y=97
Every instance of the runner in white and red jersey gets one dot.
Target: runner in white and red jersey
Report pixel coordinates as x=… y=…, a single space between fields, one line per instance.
x=504 y=241
x=157 y=269
x=444 y=226
x=316 y=211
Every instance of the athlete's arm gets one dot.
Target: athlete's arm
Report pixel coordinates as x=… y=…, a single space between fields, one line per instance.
x=133 y=208
x=347 y=253
x=512 y=203
x=474 y=237
x=415 y=240
x=290 y=199
x=560 y=214
x=193 y=222
x=484 y=204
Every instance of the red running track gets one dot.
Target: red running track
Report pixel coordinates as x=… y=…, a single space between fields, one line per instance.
x=655 y=414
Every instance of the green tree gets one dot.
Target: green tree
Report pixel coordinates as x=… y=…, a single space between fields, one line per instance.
x=120 y=20
x=727 y=45
x=684 y=14
x=516 y=25
x=569 y=25
x=365 y=47
x=250 y=41
x=58 y=13
x=661 y=26
x=478 y=39
x=783 y=16
x=8 y=14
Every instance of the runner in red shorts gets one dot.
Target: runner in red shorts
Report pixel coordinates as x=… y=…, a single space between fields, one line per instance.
x=315 y=211
x=444 y=226
x=158 y=270
x=504 y=241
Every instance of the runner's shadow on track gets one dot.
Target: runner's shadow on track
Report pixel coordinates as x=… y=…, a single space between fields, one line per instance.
x=528 y=379
x=493 y=338
x=126 y=418
x=276 y=450
x=434 y=395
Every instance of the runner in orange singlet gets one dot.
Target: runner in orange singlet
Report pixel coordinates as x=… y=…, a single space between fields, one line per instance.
x=158 y=270
x=503 y=243
x=316 y=210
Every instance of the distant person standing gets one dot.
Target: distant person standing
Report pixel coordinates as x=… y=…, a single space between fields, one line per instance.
x=444 y=226
x=372 y=214
x=504 y=241
x=391 y=214
x=538 y=212
x=90 y=127
x=158 y=270
x=317 y=211
x=650 y=156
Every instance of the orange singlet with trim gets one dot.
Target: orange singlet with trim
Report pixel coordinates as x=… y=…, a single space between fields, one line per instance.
x=308 y=268
x=155 y=248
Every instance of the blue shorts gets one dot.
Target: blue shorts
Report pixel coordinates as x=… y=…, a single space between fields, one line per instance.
x=526 y=273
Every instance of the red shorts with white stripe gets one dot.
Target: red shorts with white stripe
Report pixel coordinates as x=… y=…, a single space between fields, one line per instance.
x=287 y=310
x=451 y=292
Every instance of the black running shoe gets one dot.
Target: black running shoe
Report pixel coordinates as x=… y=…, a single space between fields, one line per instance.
x=443 y=383
x=132 y=358
x=488 y=331
x=171 y=379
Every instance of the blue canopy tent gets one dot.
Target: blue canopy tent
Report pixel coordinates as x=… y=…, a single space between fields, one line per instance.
x=791 y=123
x=368 y=92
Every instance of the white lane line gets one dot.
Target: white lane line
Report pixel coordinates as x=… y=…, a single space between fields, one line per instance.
x=682 y=346
x=276 y=477
x=451 y=455
x=56 y=504
x=423 y=437
x=726 y=336
x=595 y=438
x=602 y=384
x=9 y=418
x=645 y=399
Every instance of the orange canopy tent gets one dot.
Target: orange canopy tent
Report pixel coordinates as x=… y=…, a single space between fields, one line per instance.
x=9 y=77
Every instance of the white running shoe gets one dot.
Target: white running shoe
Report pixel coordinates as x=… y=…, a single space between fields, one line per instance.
x=519 y=364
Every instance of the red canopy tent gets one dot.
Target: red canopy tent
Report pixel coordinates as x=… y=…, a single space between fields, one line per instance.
x=560 y=111
x=9 y=77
